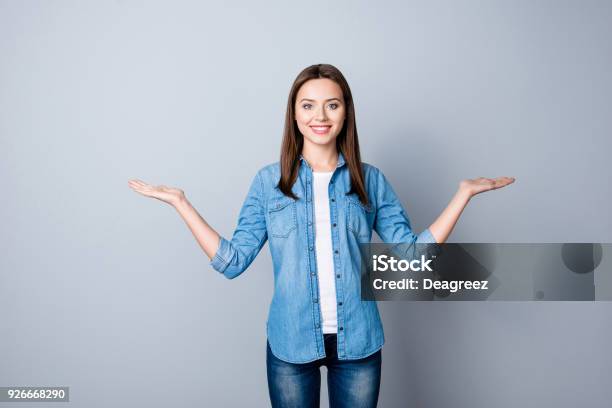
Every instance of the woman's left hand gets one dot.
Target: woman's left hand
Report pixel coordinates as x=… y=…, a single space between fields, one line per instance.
x=474 y=186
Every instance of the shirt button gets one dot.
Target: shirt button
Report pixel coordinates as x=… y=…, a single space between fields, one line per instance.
x=310 y=223
x=341 y=328
x=333 y=199
x=334 y=224
x=310 y=248
x=315 y=300
x=339 y=303
x=312 y=273
x=338 y=276
x=336 y=251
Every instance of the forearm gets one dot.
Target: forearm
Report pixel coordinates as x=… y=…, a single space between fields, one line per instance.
x=207 y=237
x=444 y=224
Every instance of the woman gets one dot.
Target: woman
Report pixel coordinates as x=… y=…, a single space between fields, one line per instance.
x=314 y=207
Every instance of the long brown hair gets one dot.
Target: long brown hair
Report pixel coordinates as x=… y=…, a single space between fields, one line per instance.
x=346 y=141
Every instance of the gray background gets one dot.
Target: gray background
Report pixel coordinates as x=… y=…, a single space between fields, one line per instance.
x=107 y=292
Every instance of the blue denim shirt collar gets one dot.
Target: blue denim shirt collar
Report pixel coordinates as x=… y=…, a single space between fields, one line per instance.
x=340 y=163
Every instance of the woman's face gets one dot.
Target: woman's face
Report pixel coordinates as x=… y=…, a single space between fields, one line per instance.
x=319 y=111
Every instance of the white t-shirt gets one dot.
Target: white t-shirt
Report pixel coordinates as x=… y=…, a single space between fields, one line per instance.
x=324 y=255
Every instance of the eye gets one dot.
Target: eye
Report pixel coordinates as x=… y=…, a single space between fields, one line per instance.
x=333 y=106
x=306 y=106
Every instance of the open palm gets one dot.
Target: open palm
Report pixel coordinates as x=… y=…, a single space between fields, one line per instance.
x=166 y=194
x=481 y=184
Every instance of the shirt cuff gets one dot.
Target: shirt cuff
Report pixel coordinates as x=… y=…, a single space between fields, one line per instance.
x=219 y=262
x=426 y=237
x=428 y=243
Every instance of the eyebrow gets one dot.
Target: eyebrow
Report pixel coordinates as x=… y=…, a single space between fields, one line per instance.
x=312 y=100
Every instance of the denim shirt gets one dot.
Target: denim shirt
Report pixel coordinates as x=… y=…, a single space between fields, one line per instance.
x=294 y=325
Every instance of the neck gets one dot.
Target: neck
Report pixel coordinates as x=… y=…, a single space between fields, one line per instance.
x=321 y=158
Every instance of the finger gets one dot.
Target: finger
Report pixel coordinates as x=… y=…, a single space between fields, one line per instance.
x=503 y=181
x=143 y=184
x=137 y=183
x=148 y=193
x=140 y=191
x=145 y=190
x=500 y=182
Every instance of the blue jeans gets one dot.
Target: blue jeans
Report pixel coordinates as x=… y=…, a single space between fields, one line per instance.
x=350 y=383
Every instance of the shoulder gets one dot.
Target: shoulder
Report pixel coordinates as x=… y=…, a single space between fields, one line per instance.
x=369 y=169
x=376 y=181
x=371 y=174
x=268 y=176
x=269 y=171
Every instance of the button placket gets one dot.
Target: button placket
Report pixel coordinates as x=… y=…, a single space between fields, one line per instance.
x=313 y=270
x=336 y=261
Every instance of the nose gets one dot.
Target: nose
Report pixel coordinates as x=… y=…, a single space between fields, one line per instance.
x=321 y=115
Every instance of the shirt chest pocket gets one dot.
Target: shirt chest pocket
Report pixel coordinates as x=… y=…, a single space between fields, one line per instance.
x=282 y=217
x=359 y=218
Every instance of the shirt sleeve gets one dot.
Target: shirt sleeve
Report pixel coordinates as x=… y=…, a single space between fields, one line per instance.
x=393 y=225
x=235 y=255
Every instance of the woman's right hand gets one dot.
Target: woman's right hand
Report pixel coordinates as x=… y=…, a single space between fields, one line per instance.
x=169 y=195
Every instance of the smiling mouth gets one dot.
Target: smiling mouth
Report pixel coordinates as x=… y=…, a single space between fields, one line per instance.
x=321 y=130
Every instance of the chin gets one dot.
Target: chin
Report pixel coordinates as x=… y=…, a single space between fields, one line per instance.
x=321 y=142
